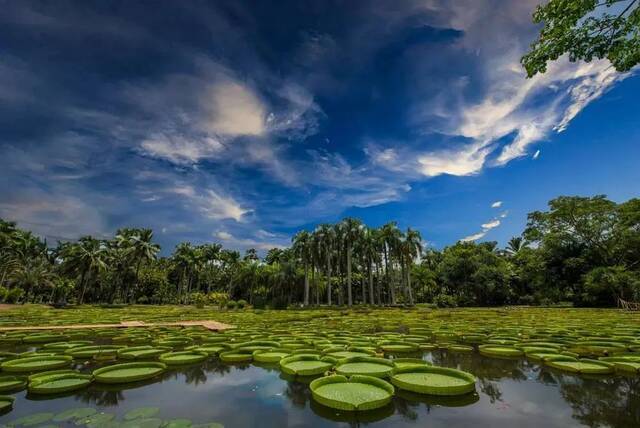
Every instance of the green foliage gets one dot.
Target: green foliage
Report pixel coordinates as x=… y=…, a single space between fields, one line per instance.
x=586 y=30
x=445 y=301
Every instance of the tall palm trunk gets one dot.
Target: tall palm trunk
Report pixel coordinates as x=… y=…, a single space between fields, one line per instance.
x=409 y=291
x=306 y=284
x=392 y=292
x=349 y=297
x=370 y=265
x=328 y=279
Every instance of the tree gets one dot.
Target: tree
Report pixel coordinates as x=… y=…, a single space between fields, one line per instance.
x=586 y=29
x=84 y=259
x=302 y=250
x=352 y=229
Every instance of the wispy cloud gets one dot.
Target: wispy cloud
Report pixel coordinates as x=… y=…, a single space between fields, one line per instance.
x=496 y=204
x=486 y=227
x=211 y=203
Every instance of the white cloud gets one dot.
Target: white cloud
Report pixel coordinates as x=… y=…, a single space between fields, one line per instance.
x=491 y=225
x=496 y=204
x=466 y=161
x=211 y=203
x=236 y=110
x=244 y=243
x=474 y=237
x=179 y=149
x=536 y=155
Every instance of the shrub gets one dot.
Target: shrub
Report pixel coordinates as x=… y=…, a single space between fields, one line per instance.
x=218 y=299
x=198 y=299
x=231 y=304
x=241 y=304
x=445 y=301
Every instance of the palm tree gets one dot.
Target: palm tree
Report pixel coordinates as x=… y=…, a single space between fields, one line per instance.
x=33 y=274
x=390 y=237
x=327 y=237
x=352 y=229
x=302 y=250
x=85 y=259
x=370 y=254
x=410 y=248
x=139 y=248
x=515 y=244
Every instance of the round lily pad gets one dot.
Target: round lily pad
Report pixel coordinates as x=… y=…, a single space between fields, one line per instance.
x=271 y=355
x=12 y=383
x=32 y=420
x=357 y=393
x=6 y=403
x=500 y=351
x=183 y=357
x=142 y=423
x=56 y=383
x=306 y=365
x=369 y=366
x=37 y=363
x=236 y=356
x=141 y=413
x=128 y=372
x=140 y=352
x=93 y=351
x=74 y=414
x=399 y=347
x=434 y=380
x=97 y=420
x=585 y=366
x=623 y=363
x=401 y=363
x=177 y=423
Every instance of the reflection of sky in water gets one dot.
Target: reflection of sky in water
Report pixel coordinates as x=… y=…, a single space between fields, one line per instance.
x=511 y=393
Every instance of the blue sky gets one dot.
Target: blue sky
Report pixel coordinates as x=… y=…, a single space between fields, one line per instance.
x=243 y=122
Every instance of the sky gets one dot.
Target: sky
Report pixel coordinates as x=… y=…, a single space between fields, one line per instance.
x=243 y=122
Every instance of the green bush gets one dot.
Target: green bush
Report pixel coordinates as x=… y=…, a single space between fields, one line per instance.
x=13 y=295
x=445 y=301
x=231 y=304
x=241 y=304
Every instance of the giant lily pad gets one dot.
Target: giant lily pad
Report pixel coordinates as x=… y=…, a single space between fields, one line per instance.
x=6 y=403
x=183 y=357
x=140 y=352
x=271 y=355
x=306 y=365
x=37 y=363
x=434 y=380
x=56 y=383
x=75 y=414
x=12 y=383
x=584 y=366
x=497 y=350
x=93 y=351
x=369 y=366
x=357 y=393
x=623 y=363
x=128 y=372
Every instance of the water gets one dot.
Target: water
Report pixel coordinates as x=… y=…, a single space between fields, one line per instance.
x=509 y=393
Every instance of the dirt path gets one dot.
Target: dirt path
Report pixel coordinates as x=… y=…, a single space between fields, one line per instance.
x=208 y=324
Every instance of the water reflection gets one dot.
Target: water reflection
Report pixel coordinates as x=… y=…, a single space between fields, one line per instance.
x=510 y=392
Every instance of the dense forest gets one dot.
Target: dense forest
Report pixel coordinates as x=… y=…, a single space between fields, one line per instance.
x=582 y=250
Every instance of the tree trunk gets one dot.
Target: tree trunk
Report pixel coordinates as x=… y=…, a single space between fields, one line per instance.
x=349 y=297
x=328 y=280
x=392 y=292
x=371 y=283
x=82 y=285
x=409 y=291
x=306 y=284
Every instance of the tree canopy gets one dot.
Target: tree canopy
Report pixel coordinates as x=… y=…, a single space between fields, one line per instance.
x=586 y=30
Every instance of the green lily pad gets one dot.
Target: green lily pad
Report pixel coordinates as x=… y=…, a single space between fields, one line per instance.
x=402 y=363
x=56 y=383
x=434 y=380
x=97 y=420
x=6 y=403
x=74 y=414
x=142 y=423
x=236 y=356
x=140 y=352
x=141 y=413
x=183 y=358
x=128 y=372
x=306 y=365
x=12 y=383
x=368 y=366
x=178 y=423
x=37 y=363
x=500 y=351
x=32 y=420
x=357 y=393
x=270 y=356
x=584 y=366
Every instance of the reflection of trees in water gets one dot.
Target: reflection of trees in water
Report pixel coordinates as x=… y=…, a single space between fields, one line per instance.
x=596 y=402
x=406 y=408
x=484 y=368
x=298 y=392
x=101 y=397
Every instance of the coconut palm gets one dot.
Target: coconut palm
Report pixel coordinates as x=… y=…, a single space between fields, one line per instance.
x=302 y=250
x=352 y=230
x=410 y=248
x=138 y=246
x=84 y=259
x=390 y=235
x=515 y=244
x=327 y=238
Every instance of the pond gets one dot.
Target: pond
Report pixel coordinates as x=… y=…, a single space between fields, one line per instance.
x=509 y=392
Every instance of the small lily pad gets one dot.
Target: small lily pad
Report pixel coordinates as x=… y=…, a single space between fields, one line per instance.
x=32 y=420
